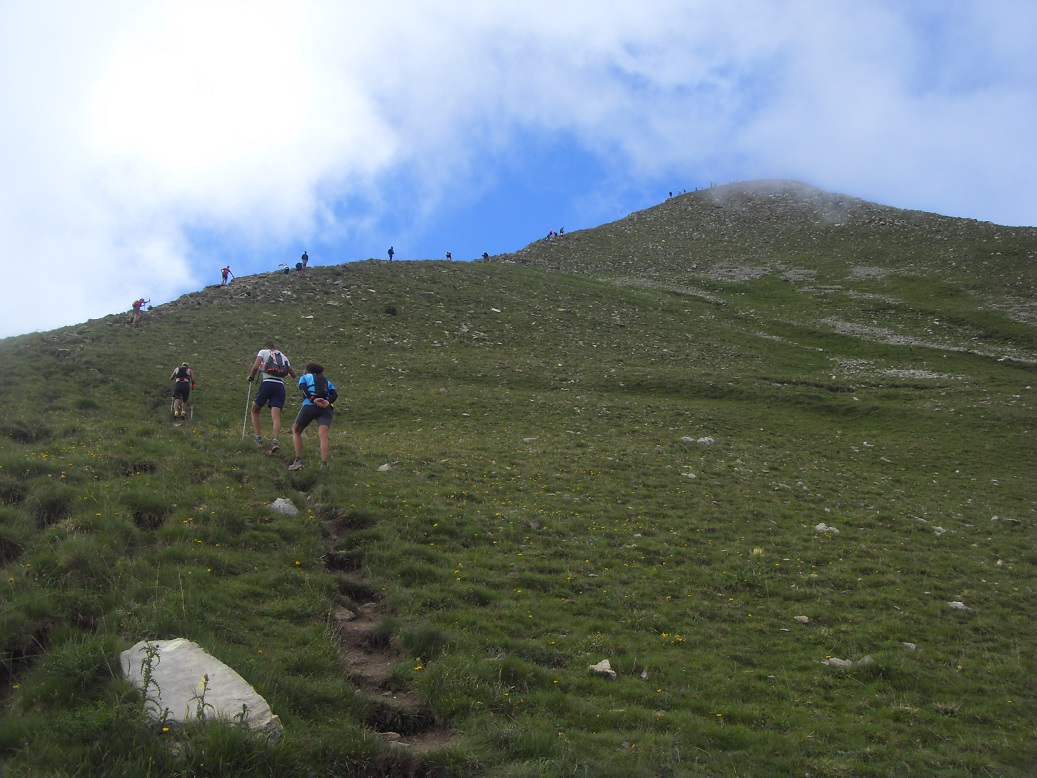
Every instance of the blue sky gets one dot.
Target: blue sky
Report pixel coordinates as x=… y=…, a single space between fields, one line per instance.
x=144 y=143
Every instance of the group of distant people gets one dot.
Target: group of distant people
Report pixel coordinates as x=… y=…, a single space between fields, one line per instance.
x=226 y=275
x=319 y=396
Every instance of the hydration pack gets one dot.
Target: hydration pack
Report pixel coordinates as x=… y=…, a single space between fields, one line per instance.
x=321 y=388
x=276 y=365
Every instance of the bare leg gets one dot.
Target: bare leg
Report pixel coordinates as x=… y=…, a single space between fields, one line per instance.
x=275 y=415
x=256 y=421
x=297 y=440
x=322 y=433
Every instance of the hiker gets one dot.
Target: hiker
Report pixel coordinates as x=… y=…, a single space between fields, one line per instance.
x=138 y=308
x=319 y=396
x=226 y=273
x=274 y=366
x=449 y=256
x=287 y=269
x=485 y=255
x=183 y=383
x=305 y=258
x=391 y=252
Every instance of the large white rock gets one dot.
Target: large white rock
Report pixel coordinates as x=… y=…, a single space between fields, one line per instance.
x=178 y=690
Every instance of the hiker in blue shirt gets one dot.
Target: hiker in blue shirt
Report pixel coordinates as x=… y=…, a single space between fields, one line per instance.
x=319 y=395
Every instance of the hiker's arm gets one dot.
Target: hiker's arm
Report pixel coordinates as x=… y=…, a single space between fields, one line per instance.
x=255 y=368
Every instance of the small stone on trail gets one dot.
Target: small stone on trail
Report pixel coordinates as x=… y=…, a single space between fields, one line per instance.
x=604 y=669
x=385 y=468
x=958 y=606
x=802 y=619
x=822 y=527
x=833 y=662
x=848 y=663
x=910 y=646
x=285 y=506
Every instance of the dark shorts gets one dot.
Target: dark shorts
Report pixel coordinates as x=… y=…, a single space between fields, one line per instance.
x=182 y=390
x=272 y=392
x=310 y=413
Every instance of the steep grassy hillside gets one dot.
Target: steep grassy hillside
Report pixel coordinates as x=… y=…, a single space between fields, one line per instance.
x=747 y=446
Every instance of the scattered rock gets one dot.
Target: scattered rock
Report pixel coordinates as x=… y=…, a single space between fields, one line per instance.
x=958 y=606
x=186 y=683
x=385 y=468
x=1013 y=522
x=285 y=506
x=802 y=619
x=910 y=646
x=705 y=441
x=848 y=663
x=604 y=669
x=822 y=527
x=834 y=662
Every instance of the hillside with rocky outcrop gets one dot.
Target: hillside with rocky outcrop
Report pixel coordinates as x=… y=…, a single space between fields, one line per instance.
x=799 y=233
x=870 y=270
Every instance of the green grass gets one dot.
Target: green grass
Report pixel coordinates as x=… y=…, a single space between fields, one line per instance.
x=547 y=506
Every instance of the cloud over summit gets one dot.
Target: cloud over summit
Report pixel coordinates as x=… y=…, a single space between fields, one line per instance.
x=146 y=145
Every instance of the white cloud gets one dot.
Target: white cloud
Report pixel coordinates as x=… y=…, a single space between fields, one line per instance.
x=132 y=129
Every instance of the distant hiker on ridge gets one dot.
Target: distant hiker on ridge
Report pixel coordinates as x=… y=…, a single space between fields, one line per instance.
x=274 y=366
x=318 y=396
x=138 y=308
x=226 y=273
x=391 y=252
x=448 y=256
x=305 y=258
x=183 y=383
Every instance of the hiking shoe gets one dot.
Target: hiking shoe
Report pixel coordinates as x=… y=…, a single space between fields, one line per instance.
x=259 y=442
x=323 y=465
x=296 y=465
x=274 y=447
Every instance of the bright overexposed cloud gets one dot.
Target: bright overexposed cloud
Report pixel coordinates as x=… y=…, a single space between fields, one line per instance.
x=145 y=144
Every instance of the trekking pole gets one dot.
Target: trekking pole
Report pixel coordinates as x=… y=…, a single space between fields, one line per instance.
x=248 y=397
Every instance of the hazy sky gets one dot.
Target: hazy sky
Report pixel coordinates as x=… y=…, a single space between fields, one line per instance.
x=144 y=144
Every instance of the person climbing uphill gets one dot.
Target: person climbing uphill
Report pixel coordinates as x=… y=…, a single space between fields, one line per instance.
x=319 y=395
x=274 y=366
x=183 y=383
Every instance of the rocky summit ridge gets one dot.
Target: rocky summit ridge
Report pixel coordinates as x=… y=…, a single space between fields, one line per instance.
x=786 y=229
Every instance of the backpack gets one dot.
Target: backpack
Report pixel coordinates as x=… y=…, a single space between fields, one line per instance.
x=320 y=388
x=183 y=373
x=276 y=365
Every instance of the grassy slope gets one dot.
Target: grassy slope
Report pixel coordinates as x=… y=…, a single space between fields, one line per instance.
x=545 y=511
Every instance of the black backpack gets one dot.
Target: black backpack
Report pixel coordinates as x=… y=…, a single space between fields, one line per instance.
x=276 y=365
x=183 y=373
x=320 y=388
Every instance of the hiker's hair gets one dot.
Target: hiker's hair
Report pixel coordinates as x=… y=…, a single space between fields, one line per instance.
x=270 y=345
x=315 y=367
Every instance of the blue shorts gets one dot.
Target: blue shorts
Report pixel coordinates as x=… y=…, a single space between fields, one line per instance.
x=309 y=413
x=272 y=392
